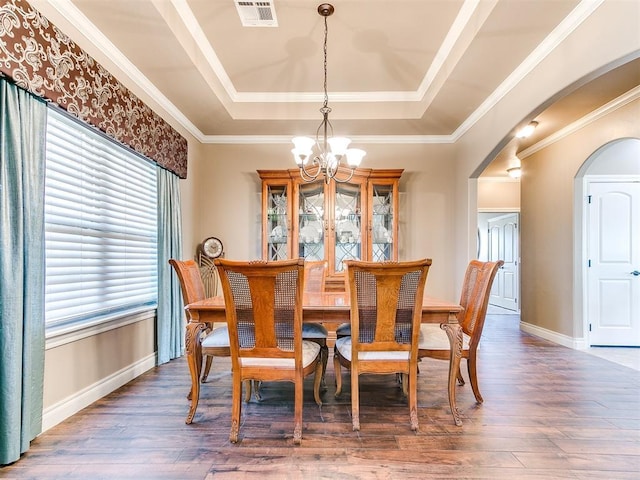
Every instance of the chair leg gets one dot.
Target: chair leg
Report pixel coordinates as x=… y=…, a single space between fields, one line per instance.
x=355 y=400
x=324 y=358
x=236 y=408
x=324 y=352
x=317 y=380
x=248 y=390
x=297 y=427
x=194 y=360
x=413 y=398
x=207 y=368
x=195 y=365
x=459 y=377
x=252 y=387
x=338 y=373
x=473 y=378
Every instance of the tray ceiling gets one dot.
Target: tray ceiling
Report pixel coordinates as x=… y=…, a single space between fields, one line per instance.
x=425 y=70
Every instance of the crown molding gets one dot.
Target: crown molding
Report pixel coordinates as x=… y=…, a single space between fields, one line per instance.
x=201 y=42
x=68 y=10
x=606 y=109
x=555 y=38
x=368 y=139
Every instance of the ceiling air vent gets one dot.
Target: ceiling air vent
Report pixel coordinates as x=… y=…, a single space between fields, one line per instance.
x=257 y=14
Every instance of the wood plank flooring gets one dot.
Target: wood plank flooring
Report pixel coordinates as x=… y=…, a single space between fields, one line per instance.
x=549 y=413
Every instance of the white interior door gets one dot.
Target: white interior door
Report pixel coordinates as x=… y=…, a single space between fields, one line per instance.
x=504 y=243
x=613 y=273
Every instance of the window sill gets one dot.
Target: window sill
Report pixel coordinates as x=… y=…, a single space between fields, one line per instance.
x=58 y=336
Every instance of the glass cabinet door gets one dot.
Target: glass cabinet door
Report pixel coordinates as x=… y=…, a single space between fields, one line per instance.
x=330 y=221
x=277 y=224
x=347 y=224
x=382 y=225
x=311 y=221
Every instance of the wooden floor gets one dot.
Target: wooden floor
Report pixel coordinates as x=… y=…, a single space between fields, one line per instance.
x=549 y=413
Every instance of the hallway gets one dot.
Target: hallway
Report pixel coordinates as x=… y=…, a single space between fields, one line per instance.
x=626 y=356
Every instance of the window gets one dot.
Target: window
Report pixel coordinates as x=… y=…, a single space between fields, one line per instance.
x=100 y=226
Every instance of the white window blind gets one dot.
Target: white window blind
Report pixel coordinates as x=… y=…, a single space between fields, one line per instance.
x=100 y=226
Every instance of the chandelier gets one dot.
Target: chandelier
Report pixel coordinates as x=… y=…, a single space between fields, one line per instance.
x=331 y=151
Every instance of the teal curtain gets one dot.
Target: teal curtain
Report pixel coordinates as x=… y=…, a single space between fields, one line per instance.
x=22 y=269
x=170 y=323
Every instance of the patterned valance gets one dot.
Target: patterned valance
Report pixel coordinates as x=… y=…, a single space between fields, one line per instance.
x=38 y=57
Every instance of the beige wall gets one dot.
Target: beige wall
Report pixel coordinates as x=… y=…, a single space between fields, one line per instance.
x=611 y=34
x=78 y=366
x=228 y=200
x=498 y=195
x=189 y=200
x=606 y=36
x=547 y=221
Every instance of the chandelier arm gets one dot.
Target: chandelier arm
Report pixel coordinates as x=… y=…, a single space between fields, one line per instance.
x=343 y=180
x=309 y=177
x=331 y=167
x=327 y=131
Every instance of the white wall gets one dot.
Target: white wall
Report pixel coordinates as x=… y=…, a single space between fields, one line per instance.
x=620 y=157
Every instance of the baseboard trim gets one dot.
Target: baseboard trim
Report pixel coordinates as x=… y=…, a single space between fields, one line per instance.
x=62 y=410
x=555 y=337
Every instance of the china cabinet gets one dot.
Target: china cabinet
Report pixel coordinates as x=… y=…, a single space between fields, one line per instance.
x=330 y=221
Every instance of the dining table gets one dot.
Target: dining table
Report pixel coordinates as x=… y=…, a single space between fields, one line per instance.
x=331 y=309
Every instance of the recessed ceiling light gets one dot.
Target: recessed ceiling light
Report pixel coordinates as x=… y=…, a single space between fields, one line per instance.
x=527 y=130
x=514 y=172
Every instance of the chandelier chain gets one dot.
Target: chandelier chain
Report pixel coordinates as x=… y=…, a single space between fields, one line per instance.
x=331 y=150
x=326 y=32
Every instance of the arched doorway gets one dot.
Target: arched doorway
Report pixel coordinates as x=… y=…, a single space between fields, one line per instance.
x=607 y=202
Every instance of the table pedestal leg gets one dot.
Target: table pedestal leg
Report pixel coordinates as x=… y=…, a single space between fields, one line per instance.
x=454 y=332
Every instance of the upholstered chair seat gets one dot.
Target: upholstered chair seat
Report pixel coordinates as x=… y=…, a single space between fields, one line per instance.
x=432 y=337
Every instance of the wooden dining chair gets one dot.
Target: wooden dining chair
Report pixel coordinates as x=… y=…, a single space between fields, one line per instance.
x=386 y=311
x=476 y=289
x=315 y=272
x=212 y=342
x=263 y=305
